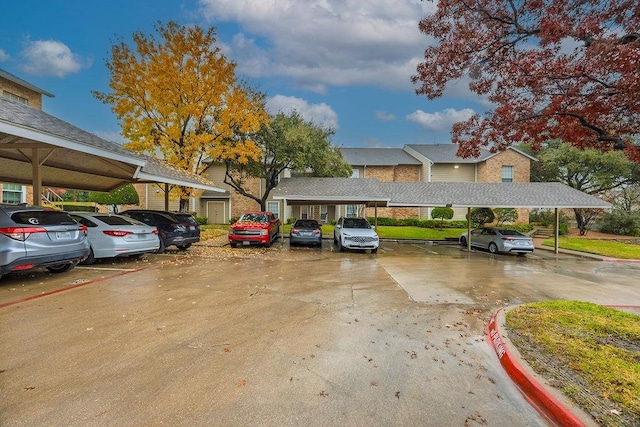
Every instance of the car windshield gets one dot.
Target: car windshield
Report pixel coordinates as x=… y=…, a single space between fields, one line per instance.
x=116 y=220
x=42 y=218
x=356 y=223
x=507 y=232
x=306 y=224
x=254 y=218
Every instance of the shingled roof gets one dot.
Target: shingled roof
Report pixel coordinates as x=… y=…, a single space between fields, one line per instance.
x=378 y=157
x=75 y=158
x=447 y=153
x=372 y=192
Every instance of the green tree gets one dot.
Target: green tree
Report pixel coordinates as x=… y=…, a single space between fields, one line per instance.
x=287 y=142
x=125 y=195
x=442 y=213
x=505 y=215
x=482 y=216
x=178 y=98
x=588 y=170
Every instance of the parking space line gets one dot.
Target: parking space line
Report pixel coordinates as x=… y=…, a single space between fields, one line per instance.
x=66 y=288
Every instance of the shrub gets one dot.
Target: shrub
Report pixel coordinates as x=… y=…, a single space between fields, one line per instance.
x=291 y=220
x=202 y=220
x=620 y=222
x=482 y=216
x=442 y=213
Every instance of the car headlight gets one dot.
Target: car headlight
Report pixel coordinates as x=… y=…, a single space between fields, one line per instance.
x=231 y=231
x=264 y=232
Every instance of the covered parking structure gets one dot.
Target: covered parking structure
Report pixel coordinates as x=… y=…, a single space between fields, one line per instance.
x=39 y=149
x=373 y=193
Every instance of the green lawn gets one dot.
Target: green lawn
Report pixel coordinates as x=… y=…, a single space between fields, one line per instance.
x=570 y=339
x=608 y=248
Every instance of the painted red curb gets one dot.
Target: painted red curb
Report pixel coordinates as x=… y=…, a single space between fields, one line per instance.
x=544 y=402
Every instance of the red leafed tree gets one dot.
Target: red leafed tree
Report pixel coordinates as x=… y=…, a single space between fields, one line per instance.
x=565 y=69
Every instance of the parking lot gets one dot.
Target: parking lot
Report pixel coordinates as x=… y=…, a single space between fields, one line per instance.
x=280 y=336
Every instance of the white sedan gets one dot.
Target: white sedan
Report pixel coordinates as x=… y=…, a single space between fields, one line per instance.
x=499 y=240
x=116 y=236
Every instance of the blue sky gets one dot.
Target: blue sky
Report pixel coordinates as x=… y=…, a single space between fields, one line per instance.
x=345 y=64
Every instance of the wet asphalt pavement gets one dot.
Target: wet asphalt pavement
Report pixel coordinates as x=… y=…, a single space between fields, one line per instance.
x=279 y=336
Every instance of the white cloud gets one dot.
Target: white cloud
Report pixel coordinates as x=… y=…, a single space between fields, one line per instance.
x=440 y=121
x=384 y=116
x=4 y=56
x=326 y=42
x=320 y=114
x=51 y=58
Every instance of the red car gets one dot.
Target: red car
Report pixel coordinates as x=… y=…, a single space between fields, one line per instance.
x=258 y=228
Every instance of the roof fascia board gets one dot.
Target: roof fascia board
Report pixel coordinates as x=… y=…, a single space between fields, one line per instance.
x=30 y=134
x=144 y=176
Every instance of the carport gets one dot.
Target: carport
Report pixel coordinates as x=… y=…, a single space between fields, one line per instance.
x=373 y=193
x=39 y=149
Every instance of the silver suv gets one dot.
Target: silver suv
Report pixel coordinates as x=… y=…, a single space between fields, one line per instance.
x=355 y=233
x=31 y=237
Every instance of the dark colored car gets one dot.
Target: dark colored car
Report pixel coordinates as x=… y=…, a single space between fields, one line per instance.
x=174 y=229
x=32 y=237
x=260 y=228
x=306 y=232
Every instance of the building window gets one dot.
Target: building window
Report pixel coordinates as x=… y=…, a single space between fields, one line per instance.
x=355 y=173
x=323 y=213
x=507 y=174
x=13 y=97
x=12 y=193
x=352 y=210
x=274 y=207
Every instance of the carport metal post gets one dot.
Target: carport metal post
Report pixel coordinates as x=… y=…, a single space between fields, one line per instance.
x=469 y=229
x=556 y=233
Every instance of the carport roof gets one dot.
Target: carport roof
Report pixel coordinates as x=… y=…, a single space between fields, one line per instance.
x=308 y=190
x=370 y=191
x=70 y=157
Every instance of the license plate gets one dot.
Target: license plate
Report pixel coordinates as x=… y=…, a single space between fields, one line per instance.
x=63 y=235
x=246 y=243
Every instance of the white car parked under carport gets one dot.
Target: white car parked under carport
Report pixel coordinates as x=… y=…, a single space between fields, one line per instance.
x=113 y=236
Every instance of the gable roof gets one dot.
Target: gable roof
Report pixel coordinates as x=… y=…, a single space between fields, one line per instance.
x=447 y=153
x=17 y=80
x=378 y=157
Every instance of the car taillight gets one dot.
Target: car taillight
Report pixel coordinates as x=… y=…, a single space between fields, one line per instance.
x=294 y=230
x=509 y=239
x=21 y=233
x=316 y=231
x=84 y=230
x=155 y=232
x=117 y=233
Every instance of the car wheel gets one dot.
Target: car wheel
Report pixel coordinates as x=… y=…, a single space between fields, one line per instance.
x=91 y=259
x=184 y=247
x=233 y=244
x=463 y=241
x=493 y=248
x=162 y=247
x=374 y=251
x=340 y=247
x=61 y=268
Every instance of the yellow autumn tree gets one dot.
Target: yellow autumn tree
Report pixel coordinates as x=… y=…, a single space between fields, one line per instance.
x=177 y=98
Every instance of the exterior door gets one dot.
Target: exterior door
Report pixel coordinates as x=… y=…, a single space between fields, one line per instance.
x=216 y=213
